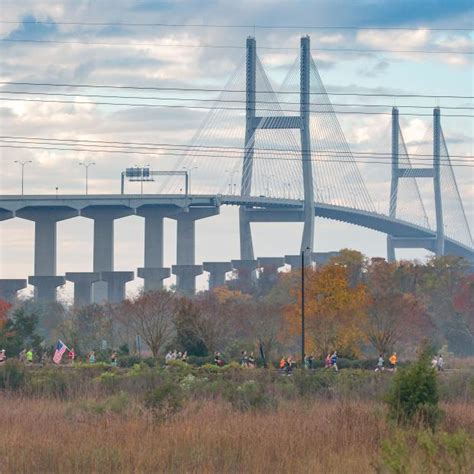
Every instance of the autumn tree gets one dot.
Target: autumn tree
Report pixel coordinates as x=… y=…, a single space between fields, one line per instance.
x=4 y=309
x=394 y=315
x=151 y=315
x=335 y=310
x=355 y=263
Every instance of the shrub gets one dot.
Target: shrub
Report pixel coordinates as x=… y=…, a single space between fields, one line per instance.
x=165 y=400
x=413 y=395
x=12 y=375
x=249 y=395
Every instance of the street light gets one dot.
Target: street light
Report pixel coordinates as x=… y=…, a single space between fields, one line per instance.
x=303 y=251
x=86 y=165
x=189 y=174
x=22 y=164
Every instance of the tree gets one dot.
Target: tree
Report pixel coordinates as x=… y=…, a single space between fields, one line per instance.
x=5 y=307
x=335 y=311
x=151 y=315
x=354 y=261
x=19 y=332
x=394 y=315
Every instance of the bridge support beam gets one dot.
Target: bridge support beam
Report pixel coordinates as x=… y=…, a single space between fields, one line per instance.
x=217 y=272
x=245 y=269
x=153 y=277
x=10 y=287
x=45 y=286
x=394 y=181
x=116 y=282
x=294 y=261
x=45 y=219
x=82 y=286
x=186 y=233
x=439 y=248
x=186 y=278
x=268 y=266
x=321 y=258
x=307 y=242
x=104 y=217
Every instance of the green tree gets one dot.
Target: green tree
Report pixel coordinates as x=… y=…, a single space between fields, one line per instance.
x=413 y=396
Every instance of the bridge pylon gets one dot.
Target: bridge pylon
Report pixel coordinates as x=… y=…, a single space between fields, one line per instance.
x=296 y=122
x=435 y=244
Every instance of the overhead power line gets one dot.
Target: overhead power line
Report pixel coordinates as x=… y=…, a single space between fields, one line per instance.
x=217 y=100
x=217 y=46
x=202 y=107
x=332 y=157
x=213 y=148
x=201 y=89
x=220 y=25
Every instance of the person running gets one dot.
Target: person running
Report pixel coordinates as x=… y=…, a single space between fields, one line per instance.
x=393 y=362
x=306 y=361
x=282 y=364
x=380 y=364
x=251 y=361
x=3 y=356
x=184 y=357
x=113 y=359
x=311 y=361
x=71 y=355
x=440 y=365
x=29 y=356
x=334 y=361
x=327 y=361
x=92 y=358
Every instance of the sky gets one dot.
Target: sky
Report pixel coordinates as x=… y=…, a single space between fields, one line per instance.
x=99 y=43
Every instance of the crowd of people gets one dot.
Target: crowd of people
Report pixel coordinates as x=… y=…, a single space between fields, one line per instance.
x=176 y=355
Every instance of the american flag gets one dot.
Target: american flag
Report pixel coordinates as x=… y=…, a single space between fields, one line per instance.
x=58 y=353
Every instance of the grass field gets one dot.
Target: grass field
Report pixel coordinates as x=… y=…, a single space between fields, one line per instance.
x=316 y=436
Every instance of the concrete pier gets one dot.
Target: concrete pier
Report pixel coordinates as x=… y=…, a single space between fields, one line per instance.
x=116 y=282
x=186 y=277
x=268 y=267
x=295 y=261
x=153 y=277
x=82 y=286
x=104 y=217
x=45 y=286
x=245 y=269
x=10 y=287
x=217 y=272
x=186 y=233
x=45 y=219
x=321 y=258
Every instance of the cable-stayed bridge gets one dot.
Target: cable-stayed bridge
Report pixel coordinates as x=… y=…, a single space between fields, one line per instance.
x=279 y=162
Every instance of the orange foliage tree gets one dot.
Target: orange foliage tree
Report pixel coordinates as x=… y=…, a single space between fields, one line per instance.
x=4 y=308
x=335 y=311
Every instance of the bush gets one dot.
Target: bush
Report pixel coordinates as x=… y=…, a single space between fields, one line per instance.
x=413 y=395
x=249 y=395
x=12 y=375
x=165 y=400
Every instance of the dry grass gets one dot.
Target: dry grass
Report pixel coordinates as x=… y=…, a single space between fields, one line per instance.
x=210 y=437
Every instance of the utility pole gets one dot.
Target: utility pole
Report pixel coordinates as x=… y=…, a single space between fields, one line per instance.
x=86 y=165
x=22 y=164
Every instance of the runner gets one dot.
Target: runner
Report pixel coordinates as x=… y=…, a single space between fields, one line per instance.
x=380 y=363
x=393 y=362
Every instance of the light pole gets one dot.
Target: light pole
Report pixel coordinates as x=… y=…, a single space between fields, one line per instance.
x=189 y=170
x=302 y=307
x=231 y=183
x=86 y=165
x=22 y=164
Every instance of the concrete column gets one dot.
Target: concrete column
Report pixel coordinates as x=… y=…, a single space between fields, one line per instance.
x=153 y=277
x=45 y=219
x=103 y=260
x=295 y=261
x=394 y=180
x=116 y=284
x=186 y=241
x=186 y=277
x=245 y=269
x=217 y=272
x=82 y=286
x=45 y=287
x=10 y=287
x=437 y=137
x=321 y=258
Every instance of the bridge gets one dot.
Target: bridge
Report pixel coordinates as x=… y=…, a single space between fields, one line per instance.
x=295 y=164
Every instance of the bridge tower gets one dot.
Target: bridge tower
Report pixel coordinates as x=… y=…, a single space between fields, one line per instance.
x=436 y=244
x=254 y=123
